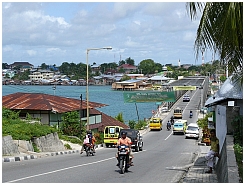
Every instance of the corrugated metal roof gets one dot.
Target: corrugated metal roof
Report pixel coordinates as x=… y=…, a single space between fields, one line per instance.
x=129 y=81
x=158 y=78
x=39 y=101
x=229 y=90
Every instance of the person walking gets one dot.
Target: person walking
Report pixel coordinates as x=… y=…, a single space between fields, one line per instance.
x=214 y=151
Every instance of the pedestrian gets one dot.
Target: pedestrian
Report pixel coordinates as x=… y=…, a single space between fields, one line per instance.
x=214 y=151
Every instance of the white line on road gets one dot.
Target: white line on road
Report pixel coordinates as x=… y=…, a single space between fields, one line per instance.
x=60 y=170
x=168 y=136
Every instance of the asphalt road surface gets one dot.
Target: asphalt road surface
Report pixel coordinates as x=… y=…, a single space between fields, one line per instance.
x=164 y=159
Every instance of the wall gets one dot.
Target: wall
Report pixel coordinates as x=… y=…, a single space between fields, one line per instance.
x=8 y=146
x=49 y=143
x=226 y=168
x=220 y=124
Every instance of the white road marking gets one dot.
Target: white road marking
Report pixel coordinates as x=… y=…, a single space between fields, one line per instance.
x=41 y=174
x=168 y=136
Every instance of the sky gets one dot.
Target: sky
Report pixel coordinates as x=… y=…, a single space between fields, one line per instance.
x=57 y=32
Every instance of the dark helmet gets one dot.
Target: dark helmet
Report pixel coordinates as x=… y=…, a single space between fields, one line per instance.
x=124 y=133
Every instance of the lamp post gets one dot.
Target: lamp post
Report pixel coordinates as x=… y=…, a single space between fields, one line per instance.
x=81 y=114
x=108 y=48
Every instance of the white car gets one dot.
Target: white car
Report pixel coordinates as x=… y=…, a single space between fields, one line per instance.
x=192 y=131
x=186 y=98
x=164 y=109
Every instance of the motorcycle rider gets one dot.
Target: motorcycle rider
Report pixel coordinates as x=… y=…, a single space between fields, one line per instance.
x=124 y=140
x=172 y=119
x=89 y=139
x=168 y=124
x=191 y=114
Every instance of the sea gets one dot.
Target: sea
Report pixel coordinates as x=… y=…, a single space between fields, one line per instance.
x=100 y=94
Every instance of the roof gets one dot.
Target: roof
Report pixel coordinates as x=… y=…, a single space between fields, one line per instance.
x=127 y=66
x=39 y=101
x=21 y=64
x=130 y=81
x=229 y=90
x=158 y=78
x=105 y=121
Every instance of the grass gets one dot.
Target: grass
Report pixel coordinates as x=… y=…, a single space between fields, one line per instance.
x=239 y=159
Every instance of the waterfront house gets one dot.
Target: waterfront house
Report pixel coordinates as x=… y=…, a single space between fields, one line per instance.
x=158 y=79
x=129 y=85
x=49 y=109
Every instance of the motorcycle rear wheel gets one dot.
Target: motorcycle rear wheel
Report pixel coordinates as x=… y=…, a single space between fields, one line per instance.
x=122 y=166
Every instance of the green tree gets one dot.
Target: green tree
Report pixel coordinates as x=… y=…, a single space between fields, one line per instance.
x=4 y=65
x=121 y=62
x=131 y=124
x=222 y=78
x=70 y=124
x=221 y=30
x=125 y=77
x=44 y=66
x=147 y=66
x=129 y=61
x=119 y=117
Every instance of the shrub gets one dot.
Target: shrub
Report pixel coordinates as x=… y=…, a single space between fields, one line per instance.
x=67 y=146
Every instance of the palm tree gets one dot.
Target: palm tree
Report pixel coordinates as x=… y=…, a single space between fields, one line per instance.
x=221 y=30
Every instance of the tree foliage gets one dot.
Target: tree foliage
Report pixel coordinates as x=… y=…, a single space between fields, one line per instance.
x=221 y=30
x=71 y=125
x=119 y=117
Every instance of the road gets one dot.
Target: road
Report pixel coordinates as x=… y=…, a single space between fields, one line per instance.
x=164 y=159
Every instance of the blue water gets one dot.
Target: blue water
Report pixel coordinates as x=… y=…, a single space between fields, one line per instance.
x=99 y=94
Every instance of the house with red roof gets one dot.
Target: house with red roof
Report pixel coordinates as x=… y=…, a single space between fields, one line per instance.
x=128 y=68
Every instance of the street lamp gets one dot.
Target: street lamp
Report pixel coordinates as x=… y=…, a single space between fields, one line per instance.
x=108 y=48
x=81 y=109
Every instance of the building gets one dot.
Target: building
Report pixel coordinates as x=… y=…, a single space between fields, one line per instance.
x=128 y=68
x=129 y=85
x=23 y=65
x=49 y=109
x=42 y=74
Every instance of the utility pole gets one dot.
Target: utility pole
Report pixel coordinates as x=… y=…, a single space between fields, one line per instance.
x=81 y=115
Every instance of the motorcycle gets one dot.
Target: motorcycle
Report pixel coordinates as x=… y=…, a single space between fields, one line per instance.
x=172 y=121
x=191 y=115
x=89 y=149
x=123 y=155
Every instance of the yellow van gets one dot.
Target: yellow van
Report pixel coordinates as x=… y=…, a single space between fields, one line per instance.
x=178 y=112
x=155 y=124
x=111 y=134
x=180 y=126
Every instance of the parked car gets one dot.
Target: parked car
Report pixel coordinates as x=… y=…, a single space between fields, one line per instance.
x=186 y=98
x=192 y=131
x=180 y=126
x=204 y=110
x=164 y=109
x=136 y=139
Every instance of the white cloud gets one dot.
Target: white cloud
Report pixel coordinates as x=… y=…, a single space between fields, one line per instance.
x=31 y=52
x=7 y=48
x=137 y=22
x=136 y=30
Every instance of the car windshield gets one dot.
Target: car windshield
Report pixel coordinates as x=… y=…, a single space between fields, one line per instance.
x=192 y=128
x=178 y=125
